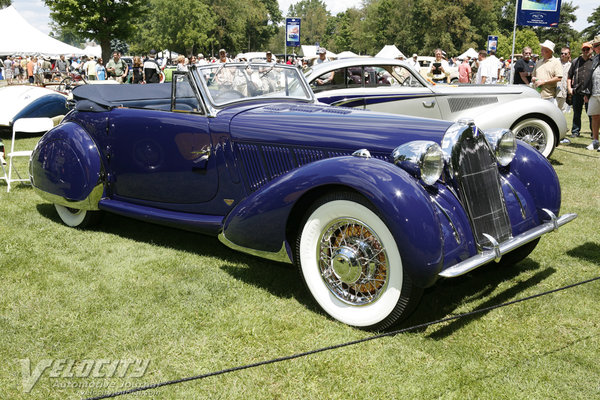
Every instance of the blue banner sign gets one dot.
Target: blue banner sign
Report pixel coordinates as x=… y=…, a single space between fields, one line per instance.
x=292 y=32
x=492 y=44
x=538 y=13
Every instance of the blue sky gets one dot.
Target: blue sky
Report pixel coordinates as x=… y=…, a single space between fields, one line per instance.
x=37 y=13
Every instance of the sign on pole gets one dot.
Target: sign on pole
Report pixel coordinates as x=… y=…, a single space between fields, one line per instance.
x=292 y=32
x=492 y=44
x=538 y=13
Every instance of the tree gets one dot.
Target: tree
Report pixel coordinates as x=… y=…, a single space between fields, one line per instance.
x=101 y=21
x=185 y=29
x=594 y=29
x=314 y=16
x=5 y=3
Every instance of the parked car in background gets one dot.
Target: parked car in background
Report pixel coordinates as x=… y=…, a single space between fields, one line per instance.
x=372 y=207
x=24 y=101
x=393 y=86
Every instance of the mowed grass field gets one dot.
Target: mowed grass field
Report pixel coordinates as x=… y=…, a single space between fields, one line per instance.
x=186 y=305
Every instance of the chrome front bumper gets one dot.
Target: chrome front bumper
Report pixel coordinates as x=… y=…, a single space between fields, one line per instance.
x=499 y=249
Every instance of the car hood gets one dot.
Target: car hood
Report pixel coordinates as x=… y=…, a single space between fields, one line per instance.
x=334 y=128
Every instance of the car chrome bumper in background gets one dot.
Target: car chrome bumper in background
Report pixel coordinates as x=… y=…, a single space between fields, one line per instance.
x=499 y=249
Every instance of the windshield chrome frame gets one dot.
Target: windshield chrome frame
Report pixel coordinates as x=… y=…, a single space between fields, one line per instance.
x=213 y=109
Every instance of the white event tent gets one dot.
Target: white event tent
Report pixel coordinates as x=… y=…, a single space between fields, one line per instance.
x=390 y=51
x=471 y=53
x=27 y=40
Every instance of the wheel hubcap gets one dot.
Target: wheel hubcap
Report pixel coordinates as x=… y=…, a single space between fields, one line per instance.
x=353 y=262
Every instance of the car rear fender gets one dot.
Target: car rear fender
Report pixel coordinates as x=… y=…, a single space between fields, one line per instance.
x=66 y=168
x=268 y=221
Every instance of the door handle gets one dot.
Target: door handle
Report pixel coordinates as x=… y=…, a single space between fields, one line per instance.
x=429 y=104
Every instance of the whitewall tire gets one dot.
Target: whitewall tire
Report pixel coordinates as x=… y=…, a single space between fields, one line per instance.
x=77 y=218
x=351 y=265
x=537 y=133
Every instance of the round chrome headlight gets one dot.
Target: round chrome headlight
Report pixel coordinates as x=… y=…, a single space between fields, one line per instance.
x=504 y=145
x=423 y=159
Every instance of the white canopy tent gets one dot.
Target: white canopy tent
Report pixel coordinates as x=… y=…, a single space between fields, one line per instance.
x=311 y=52
x=346 y=54
x=390 y=51
x=471 y=53
x=95 y=51
x=27 y=40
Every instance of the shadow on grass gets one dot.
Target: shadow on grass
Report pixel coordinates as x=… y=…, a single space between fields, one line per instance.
x=283 y=280
x=555 y=162
x=444 y=298
x=278 y=278
x=588 y=251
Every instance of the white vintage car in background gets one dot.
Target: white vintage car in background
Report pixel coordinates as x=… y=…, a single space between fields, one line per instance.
x=392 y=86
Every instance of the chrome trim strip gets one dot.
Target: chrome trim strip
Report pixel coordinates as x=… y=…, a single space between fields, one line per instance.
x=514 y=192
x=443 y=211
x=489 y=255
x=89 y=203
x=280 y=256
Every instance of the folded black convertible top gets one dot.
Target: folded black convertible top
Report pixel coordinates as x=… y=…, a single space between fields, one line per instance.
x=113 y=95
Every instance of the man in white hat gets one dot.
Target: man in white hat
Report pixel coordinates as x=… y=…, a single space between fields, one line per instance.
x=414 y=62
x=547 y=73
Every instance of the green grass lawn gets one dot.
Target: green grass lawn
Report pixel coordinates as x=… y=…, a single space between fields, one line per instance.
x=188 y=305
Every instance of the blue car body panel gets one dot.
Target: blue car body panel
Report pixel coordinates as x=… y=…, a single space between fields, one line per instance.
x=244 y=171
x=50 y=105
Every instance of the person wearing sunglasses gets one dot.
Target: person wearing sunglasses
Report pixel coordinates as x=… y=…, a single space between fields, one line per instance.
x=580 y=70
x=592 y=86
x=561 y=93
x=524 y=68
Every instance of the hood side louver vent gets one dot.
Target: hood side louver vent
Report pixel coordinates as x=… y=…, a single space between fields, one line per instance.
x=464 y=103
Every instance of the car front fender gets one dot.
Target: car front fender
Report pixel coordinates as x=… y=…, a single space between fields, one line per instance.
x=505 y=115
x=259 y=223
x=66 y=168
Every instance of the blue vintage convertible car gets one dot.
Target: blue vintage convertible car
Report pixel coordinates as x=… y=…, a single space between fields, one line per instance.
x=372 y=207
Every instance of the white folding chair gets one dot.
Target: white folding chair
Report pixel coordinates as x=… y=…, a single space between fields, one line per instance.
x=2 y=164
x=24 y=125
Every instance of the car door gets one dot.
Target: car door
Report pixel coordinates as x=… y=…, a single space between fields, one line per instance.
x=162 y=152
x=395 y=89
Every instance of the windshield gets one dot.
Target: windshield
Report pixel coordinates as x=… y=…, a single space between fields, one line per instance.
x=229 y=82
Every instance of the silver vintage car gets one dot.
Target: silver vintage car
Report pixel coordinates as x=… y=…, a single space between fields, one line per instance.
x=392 y=86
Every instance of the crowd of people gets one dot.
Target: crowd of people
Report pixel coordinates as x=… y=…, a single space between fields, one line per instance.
x=561 y=80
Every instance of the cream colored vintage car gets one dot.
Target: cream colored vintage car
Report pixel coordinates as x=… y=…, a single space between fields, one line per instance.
x=393 y=86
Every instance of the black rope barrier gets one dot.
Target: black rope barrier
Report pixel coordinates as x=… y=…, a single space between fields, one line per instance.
x=337 y=346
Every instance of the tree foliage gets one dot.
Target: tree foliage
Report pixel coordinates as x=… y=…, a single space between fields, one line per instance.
x=101 y=21
x=594 y=29
x=5 y=3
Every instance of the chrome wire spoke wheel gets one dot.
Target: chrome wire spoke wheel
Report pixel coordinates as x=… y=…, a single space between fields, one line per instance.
x=353 y=262
x=537 y=133
x=533 y=136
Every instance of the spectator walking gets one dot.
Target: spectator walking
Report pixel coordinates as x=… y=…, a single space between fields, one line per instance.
x=181 y=63
x=223 y=56
x=62 y=65
x=270 y=58
x=8 y=70
x=487 y=70
x=561 y=93
x=439 y=70
x=547 y=72
x=89 y=69
x=592 y=88
x=138 y=70
x=580 y=70
x=464 y=71
x=524 y=68
x=100 y=70
x=116 y=68
x=151 y=68
x=30 y=69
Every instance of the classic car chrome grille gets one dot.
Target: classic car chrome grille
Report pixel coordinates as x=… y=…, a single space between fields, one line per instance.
x=481 y=191
x=464 y=103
